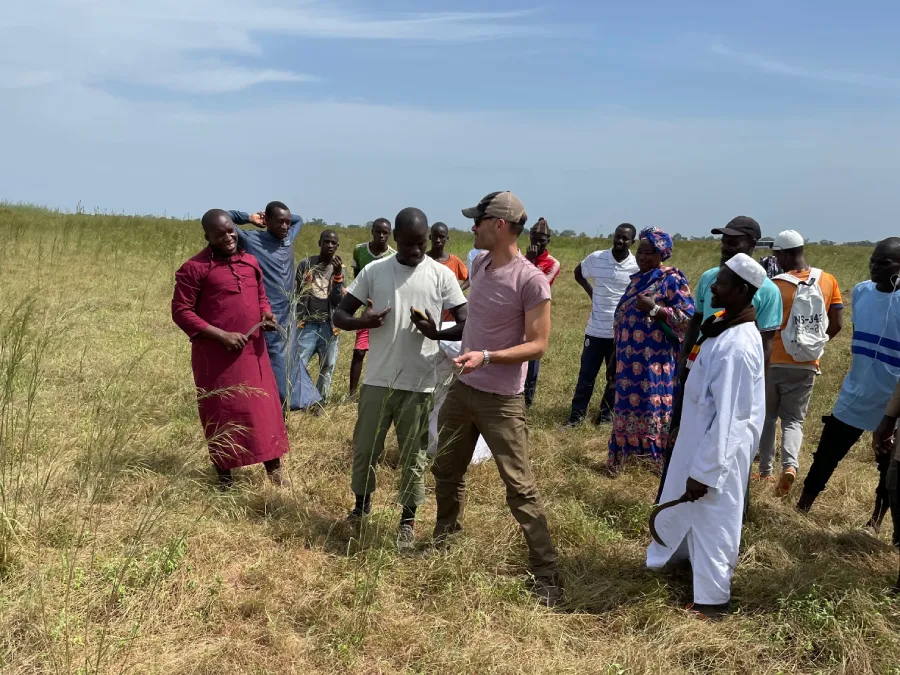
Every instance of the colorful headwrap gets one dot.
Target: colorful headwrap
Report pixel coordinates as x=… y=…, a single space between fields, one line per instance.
x=661 y=241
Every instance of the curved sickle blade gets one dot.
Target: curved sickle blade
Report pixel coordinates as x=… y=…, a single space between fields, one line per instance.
x=253 y=330
x=659 y=509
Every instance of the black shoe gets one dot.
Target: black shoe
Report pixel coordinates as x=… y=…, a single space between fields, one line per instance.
x=358 y=513
x=710 y=612
x=442 y=536
x=547 y=590
x=605 y=417
x=571 y=424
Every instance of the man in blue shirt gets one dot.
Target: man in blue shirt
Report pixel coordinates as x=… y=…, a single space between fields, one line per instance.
x=273 y=248
x=738 y=236
x=874 y=372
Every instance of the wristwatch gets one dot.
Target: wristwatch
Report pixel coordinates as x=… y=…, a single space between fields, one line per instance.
x=487 y=358
x=654 y=311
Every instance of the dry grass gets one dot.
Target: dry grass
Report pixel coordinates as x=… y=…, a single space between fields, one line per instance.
x=117 y=555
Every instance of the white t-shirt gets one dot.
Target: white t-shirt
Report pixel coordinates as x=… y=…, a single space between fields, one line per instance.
x=610 y=279
x=474 y=253
x=400 y=357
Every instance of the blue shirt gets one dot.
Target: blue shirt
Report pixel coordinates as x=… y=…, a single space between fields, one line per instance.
x=767 y=301
x=875 y=368
x=276 y=259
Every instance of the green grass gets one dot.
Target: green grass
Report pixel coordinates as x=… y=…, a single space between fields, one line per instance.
x=117 y=555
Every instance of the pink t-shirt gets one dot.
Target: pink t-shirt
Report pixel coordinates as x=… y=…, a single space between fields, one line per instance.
x=498 y=300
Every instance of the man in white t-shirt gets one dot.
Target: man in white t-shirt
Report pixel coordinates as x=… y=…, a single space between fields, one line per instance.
x=406 y=293
x=610 y=271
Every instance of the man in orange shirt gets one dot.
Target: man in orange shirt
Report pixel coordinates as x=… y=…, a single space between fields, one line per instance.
x=440 y=235
x=790 y=380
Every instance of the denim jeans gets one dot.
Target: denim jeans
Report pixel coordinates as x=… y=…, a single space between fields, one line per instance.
x=319 y=338
x=597 y=352
x=531 y=378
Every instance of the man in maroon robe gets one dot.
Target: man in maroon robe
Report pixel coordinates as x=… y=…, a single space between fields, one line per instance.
x=219 y=297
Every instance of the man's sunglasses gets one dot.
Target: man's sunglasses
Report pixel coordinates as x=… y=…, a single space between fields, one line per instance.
x=481 y=219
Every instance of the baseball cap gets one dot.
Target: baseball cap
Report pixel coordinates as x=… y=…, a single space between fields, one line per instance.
x=503 y=205
x=741 y=226
x=787 y=240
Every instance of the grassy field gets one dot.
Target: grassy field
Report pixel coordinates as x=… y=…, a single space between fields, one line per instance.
x=117 y=555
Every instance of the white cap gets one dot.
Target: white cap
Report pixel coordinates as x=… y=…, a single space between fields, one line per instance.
x=787 y=240
x=747 y=269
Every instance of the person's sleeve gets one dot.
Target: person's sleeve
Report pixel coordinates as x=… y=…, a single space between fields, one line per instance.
x=730 y=390
x=359 y=289
x=337 y=290
x=553 y=272
x=836 y=299
x=769 y=314
x=893 y=406
x=462 y=271
x=264 y=305
x=296 y=225
x=585 y=266
x=535 y=291
x=700 y=296
x=240 y=218
x=188 y=282
x=451 y=295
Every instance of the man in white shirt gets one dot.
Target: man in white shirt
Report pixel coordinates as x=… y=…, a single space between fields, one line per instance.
x=406 y=293
x=723 y=415
x=610 y=271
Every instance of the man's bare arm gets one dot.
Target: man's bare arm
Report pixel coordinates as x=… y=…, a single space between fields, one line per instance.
x=584 y=283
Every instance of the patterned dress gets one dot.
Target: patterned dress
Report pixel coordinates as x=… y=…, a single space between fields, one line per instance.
x=646 y=363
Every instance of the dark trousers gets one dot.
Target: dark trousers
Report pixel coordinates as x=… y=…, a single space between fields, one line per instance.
x=534 y=367
x=892 y=485
x=836 y=441
x=596 y=352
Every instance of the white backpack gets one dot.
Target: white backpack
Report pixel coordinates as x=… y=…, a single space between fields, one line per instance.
x=805 y=334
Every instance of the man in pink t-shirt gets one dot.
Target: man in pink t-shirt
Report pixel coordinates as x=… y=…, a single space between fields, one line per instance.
x=508 y=325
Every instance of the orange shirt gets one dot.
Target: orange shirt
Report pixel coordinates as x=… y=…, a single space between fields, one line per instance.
x=458 y=267
x=830 y=291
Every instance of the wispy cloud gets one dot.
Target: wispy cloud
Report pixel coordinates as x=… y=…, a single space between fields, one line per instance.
x=176 y=44
x=767 y=65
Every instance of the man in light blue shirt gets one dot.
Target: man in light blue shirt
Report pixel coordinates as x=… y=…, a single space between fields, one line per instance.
x=738 y=236
x=873 y=375
x=273 y=248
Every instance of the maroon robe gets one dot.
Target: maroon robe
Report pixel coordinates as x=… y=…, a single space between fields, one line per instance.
x=236 y=391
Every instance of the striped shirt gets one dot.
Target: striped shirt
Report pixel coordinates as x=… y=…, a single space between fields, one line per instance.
x=610 y=279
x=875 y=368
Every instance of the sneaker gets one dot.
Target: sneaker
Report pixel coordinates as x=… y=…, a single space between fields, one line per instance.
x=406 y=538
x=763 y=478
x=570 y=424
x=783 y=489
x=547 y=590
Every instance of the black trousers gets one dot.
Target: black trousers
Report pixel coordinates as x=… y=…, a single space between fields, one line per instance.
x=892 y=486
x=836 y=441
x=596 y=352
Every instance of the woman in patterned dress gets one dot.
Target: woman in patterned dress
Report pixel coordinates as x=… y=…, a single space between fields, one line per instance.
x=650 y=321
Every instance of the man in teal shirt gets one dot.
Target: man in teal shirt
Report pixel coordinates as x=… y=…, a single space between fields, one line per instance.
x=738 y=236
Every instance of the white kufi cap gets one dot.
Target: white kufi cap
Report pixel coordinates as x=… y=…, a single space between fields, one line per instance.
x=747 y=269
x=787 y=240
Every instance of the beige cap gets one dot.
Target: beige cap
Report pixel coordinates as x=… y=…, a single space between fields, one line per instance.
x=503 y=205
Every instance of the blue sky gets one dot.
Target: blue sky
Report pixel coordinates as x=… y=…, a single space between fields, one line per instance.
x=680 y=115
